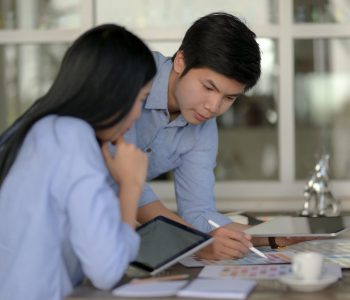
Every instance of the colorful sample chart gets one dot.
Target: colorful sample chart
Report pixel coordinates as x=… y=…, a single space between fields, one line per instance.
x=334 y=250
x=259 y=271
x=252 y=259
x=341 y=259
x=245 y=272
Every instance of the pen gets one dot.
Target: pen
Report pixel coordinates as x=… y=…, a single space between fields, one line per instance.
x=256 y=251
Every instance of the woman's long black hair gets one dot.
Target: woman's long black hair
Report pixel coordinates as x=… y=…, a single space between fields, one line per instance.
x=98 y=81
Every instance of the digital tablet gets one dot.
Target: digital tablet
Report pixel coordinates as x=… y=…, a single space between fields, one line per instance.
x=301 y=226
x=163 y=243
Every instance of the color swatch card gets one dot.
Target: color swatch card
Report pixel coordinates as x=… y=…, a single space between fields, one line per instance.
x=245 y=272
x=259 y=271
x=342 y=260
x=253 y=259
x=250 y=259
x=324 y=246
x=334 y=250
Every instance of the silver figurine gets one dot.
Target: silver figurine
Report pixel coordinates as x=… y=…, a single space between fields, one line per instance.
x=319 y=200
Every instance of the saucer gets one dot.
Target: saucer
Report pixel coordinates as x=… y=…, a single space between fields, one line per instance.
x=308 y=286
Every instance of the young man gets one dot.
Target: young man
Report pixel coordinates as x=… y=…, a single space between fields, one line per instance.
x=218 y=60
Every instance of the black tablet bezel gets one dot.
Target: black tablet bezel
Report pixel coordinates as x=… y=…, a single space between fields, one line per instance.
x=204 y=238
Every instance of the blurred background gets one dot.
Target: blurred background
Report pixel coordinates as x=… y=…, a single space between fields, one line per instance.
x=271 y=138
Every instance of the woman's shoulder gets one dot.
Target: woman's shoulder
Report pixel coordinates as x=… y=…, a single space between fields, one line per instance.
x=64 y=130
x=64 y=125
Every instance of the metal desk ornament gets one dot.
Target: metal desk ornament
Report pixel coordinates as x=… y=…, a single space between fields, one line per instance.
x=319 y=200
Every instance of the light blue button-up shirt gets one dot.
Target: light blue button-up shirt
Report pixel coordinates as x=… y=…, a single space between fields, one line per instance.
x=189 y=150
x=59 y=216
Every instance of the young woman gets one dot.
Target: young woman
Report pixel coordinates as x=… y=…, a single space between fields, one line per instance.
x=60 y=219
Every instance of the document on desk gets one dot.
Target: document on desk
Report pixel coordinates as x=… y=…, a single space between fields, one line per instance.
x=218 y=288
x=150 y=289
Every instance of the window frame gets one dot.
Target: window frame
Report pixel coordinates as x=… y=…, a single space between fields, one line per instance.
x=285 y=194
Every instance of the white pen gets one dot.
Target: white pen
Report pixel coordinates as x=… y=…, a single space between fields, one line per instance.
x=256 y=251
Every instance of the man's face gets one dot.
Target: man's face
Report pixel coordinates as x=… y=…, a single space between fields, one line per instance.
x=202 y=94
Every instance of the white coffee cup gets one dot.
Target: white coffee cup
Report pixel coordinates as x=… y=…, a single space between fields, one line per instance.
x=307 y=266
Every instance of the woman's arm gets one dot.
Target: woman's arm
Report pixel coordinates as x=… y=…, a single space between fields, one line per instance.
x=128 y=167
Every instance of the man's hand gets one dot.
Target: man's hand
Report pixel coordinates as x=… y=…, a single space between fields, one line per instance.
x=228 y=244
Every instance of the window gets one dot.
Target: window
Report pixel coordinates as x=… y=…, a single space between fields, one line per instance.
x=268 y=141
x=271 y=138
x=34 y=34
x=322 y=104
x=40 y=14
x=27 y=72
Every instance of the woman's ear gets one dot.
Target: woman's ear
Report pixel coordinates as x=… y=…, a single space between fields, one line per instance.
x=179 y=62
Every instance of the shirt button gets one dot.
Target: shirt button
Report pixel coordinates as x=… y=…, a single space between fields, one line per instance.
x=148 y=150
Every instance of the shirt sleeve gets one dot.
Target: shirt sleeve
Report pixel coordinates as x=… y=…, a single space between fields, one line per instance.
x=195 y=181
x=147 y=195
x=102 y=242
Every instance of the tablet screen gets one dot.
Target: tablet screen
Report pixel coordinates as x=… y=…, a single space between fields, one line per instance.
x=163 y=240
x=301 y=226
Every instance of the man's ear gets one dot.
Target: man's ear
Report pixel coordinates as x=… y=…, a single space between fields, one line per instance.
x=179 y=62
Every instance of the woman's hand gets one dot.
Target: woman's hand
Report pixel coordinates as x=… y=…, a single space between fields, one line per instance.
x=128 y=167
x=228 y=244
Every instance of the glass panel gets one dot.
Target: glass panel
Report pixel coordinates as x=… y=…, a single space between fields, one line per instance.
x=248 y=142
x=322 y=11
x=26 y=73
x=166 y=48
x=322 y=105
x=40 y=14
x=176 y=13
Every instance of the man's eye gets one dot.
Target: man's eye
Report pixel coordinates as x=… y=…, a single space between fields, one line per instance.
x=208 y=88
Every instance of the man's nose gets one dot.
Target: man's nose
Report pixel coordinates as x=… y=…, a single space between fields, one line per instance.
x=213 y=104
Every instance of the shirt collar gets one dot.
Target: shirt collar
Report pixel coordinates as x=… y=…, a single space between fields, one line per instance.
x=178 y=122
x=158 y=97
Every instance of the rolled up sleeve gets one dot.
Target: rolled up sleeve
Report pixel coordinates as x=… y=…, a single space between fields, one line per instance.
x=195 y=181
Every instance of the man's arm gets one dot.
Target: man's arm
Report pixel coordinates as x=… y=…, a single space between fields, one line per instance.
x=228 y=243
x=154 y=209
x=229 y=240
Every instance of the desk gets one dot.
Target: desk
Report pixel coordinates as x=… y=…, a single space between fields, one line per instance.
x=265 y=290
